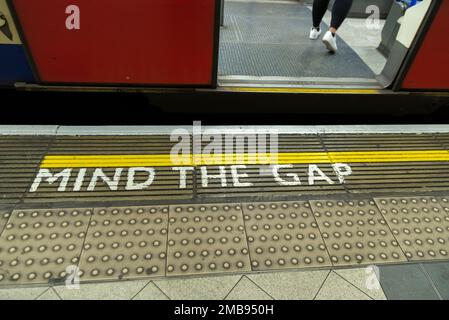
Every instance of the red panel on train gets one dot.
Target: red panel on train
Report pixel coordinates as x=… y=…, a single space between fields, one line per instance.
x=154 y=42
x=430 y=68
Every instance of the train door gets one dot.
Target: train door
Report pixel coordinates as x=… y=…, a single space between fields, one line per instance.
x=266 y=43
x=115 y=42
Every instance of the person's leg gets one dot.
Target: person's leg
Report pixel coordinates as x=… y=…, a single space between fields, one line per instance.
x=340 y=11
x=318 y=11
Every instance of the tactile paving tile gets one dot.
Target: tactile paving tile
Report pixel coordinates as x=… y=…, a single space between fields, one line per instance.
x=127 y=242
x=356 y=233
x=207 y=239
x=39 y=245
x=4 y=216
x=283 y=235
x=444 y=202
x=420 y=224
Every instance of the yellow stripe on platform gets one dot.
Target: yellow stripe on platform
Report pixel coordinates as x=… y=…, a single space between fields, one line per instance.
x=165 y=160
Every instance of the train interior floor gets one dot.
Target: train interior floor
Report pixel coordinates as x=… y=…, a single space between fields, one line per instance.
x=358 y=214
x=269 y=41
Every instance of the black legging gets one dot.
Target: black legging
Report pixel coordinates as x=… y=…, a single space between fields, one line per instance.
x=340 y=11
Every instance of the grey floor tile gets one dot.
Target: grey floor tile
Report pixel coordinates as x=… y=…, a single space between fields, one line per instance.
x=373 y=58
x=50 y=294
x=337 y=288
x=21 y=293
x=406 y=282
x=302 y=285
x=247 y=290
x=365 y=279
x=151 y=292
x=439 y=274
x=120 y=290
x=211 y=288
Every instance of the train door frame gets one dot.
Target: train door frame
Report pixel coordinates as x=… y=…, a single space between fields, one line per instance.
x=416 y=44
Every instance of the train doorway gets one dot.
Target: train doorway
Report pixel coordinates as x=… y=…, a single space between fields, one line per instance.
x=266 y=43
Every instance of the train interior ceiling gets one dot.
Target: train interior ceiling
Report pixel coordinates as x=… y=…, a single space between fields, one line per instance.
x=266 y=43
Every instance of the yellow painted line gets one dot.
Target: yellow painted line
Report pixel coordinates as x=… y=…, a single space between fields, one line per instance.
x=390 y=156
x=165 y=160
x=84 y=161
x=301 y=90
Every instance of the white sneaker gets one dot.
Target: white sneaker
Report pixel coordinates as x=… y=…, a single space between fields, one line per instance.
x=330 y=42
x=314 y=33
